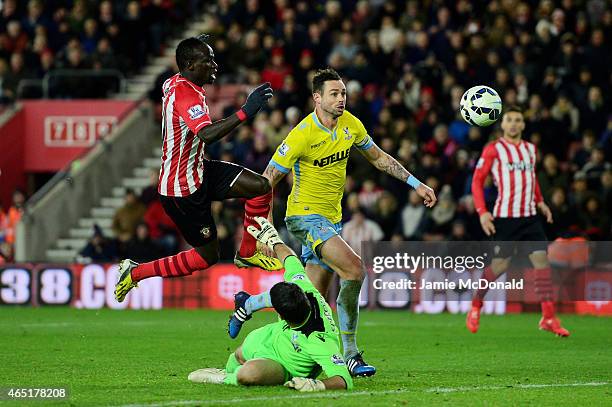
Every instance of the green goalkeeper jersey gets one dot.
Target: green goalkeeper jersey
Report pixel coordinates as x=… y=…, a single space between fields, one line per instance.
x=307 y=350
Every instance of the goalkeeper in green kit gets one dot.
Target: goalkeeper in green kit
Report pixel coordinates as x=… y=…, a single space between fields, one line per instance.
x=294 y=350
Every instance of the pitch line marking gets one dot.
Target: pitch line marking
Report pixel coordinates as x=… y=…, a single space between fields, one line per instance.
x=363 y=393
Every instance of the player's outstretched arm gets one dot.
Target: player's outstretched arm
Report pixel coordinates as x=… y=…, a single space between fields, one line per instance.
x=385 y=163
x=221 y=128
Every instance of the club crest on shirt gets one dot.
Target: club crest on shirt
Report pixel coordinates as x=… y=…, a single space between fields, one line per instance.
x=348 y=135
x=337 y=360
x=195 y=112
x=294 y=341
x=205 y=232
x=283 y=149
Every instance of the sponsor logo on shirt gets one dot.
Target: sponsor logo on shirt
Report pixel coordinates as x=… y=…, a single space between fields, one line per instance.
x=297 y=277
x=283 y=149
x=319 y=144
x=520 y=166
x=330 y=159
x=195 y=112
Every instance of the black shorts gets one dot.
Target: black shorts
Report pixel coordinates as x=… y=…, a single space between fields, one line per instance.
x=528 y=230
x=192 y=214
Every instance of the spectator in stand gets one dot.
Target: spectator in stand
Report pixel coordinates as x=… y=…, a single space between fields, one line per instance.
x=606 y=190
x=8 y=223
x=594 y=222
x=561 y=214
x=579 y=191
x=276 y=130
x=459 y=231
x=361 y=229
x=550 y=176
x=141 y=247
x=161 y=228
x=276 y=71
x=368 y=195
x=583 y=154
x=128 y=216
x=99 y=249
x=226 y=222
x=149 y=193
x=412 y=218
x=385 y=214
x=133 y=27
x=441 y=217
x=595 y=167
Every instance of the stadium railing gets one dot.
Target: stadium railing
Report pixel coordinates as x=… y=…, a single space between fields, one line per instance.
x=73 y=83
x=81 y=184
x=98 y=82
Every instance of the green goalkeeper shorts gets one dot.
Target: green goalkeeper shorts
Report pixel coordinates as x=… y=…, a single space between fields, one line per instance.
x=260 y=344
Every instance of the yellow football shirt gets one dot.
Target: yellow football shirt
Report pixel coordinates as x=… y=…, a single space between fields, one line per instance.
x=318 y=157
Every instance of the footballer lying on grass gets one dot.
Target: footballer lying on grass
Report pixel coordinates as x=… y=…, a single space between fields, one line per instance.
x=293 y=350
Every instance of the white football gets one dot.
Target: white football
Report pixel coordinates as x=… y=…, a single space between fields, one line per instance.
x=480 y=106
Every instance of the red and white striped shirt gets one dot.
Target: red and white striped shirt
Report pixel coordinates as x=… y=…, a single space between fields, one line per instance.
x=184 y=113
x=513 y=169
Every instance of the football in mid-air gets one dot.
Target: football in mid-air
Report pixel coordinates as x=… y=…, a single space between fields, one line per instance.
x=480 y=106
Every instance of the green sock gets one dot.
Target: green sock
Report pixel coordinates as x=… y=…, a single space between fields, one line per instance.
x=232 y=363
x=232 y=378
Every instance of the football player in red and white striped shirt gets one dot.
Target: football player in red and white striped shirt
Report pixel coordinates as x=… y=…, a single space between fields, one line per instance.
x=512 y=161
x=188 y=182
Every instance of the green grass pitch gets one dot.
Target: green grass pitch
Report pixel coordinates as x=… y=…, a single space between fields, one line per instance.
x=134 y=358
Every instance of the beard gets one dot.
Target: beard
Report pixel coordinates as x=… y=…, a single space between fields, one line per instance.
x=335 y=113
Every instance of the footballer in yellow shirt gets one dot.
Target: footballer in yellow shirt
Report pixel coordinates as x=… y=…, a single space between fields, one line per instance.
x=317 y=151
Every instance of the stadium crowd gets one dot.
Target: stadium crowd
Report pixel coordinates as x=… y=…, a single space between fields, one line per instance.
x=405 y=65
x=38 y=37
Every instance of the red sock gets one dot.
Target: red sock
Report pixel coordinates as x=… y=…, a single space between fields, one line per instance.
x=544 y=291
x=488 y=275
x=258 y=206
x=477 y=302
x=182 y=264
x=548 y=309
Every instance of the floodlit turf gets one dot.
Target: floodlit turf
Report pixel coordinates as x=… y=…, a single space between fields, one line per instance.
x=143 y=357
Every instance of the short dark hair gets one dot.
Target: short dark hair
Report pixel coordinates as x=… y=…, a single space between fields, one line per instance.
x=322 y=76
x=189 y=49
x=290 y=302
x=513 y=108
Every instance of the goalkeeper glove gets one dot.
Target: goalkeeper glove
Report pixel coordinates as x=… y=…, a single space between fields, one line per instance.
x=305 y=385
x=267 y=234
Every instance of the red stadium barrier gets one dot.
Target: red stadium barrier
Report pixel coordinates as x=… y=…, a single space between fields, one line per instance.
x=92 y=287
x=46 y=135
x=61 y=130
x=12 y=174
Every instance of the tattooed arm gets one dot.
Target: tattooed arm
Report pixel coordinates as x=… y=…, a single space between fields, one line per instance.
x=385 y=163
x=273 y=174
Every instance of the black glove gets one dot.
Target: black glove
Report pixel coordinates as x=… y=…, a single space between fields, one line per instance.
x=257 y=99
